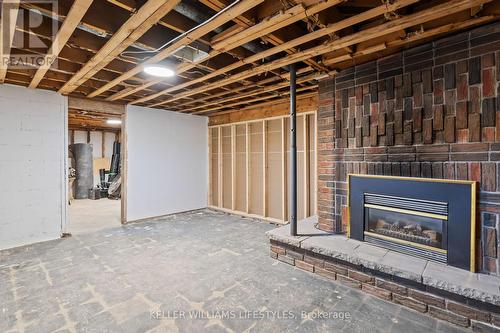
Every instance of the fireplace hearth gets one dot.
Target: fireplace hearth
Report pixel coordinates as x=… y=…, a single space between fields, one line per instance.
x=428 y=218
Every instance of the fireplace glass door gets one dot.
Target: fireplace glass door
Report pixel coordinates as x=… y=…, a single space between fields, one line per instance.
x=407 y=225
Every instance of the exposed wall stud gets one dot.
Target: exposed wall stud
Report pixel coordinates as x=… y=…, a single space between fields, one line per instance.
x=219 y=161
x=264 y=168
x=247 y=161
x=283 y=171
x=233 y=167
x=306 y=166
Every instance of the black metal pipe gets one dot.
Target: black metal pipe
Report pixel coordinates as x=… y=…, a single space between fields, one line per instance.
x=293 y=151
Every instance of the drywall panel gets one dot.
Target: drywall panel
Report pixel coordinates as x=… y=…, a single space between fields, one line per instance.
x=167 y=162
x=33 y=159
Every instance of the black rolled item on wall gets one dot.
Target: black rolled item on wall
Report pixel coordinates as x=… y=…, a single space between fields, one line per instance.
x=114 y=169
x=102 y=177
x=116 y=148
x=83 y=155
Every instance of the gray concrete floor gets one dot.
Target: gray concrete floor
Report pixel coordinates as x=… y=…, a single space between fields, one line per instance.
x=155 y=276
x=92 y=215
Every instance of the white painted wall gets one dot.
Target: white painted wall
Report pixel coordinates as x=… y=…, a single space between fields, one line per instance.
x=33 y=154
x=96 y=141
x=167 y=162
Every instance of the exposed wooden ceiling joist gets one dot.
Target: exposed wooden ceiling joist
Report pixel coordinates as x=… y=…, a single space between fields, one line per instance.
x=438 y=11
x=69 y=25
x=138 y=24
x=239 y=61
x=6 y=37
x=237 y=10
x=288 y=45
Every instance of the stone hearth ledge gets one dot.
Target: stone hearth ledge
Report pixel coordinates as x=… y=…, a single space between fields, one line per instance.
x=482 y=287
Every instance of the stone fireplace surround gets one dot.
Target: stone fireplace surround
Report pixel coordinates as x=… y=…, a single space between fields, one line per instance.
x=431 y=111
x=456 y=295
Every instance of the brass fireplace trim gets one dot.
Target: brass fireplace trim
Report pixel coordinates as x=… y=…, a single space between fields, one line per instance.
x=405 y=242
x=472 y=184
x=408 y=211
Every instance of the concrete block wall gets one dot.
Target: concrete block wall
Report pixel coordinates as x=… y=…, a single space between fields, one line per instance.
x=431 y=111
x=32 y=165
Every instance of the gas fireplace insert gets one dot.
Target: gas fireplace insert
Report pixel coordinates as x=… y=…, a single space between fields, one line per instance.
x=432 y=219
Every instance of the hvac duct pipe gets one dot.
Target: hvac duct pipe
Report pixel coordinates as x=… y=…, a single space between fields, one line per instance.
x=82 y=153
x=293 y=150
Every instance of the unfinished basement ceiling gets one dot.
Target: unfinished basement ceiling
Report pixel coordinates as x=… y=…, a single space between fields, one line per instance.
x=228 y=62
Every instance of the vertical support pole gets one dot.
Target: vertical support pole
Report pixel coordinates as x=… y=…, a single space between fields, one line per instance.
x=306 y=166
x=219 y=168
x=264 y=168
x=247 y=161
x=233 y=167
x=88 y=136
x=283 y=170
x=293 y=151
x=315 y=154
x=124 y=163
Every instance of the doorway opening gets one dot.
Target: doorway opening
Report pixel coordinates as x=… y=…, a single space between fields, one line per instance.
x=94 y=170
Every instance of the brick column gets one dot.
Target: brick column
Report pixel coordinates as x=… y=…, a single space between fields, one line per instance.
x=326 y=164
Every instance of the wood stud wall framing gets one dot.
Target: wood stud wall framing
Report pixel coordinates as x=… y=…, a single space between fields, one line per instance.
x=249 y=167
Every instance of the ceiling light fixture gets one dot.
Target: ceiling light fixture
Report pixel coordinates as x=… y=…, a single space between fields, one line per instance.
x=114 y=121
x=159 y=71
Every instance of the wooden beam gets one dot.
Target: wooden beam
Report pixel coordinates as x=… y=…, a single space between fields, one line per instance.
x=7 y=29
x=91 y=105
x=257 y=112
x=225 y=17
x=284 y=46
x=256 y=99
x=236 y=39
x=237 y=91
x=444 y=9
x=264 y=90
x=75 y=15
x=412 y=38
x=138 y=24
x=289 y=16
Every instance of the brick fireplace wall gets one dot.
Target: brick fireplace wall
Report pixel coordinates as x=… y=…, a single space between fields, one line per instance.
x=431 y=111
